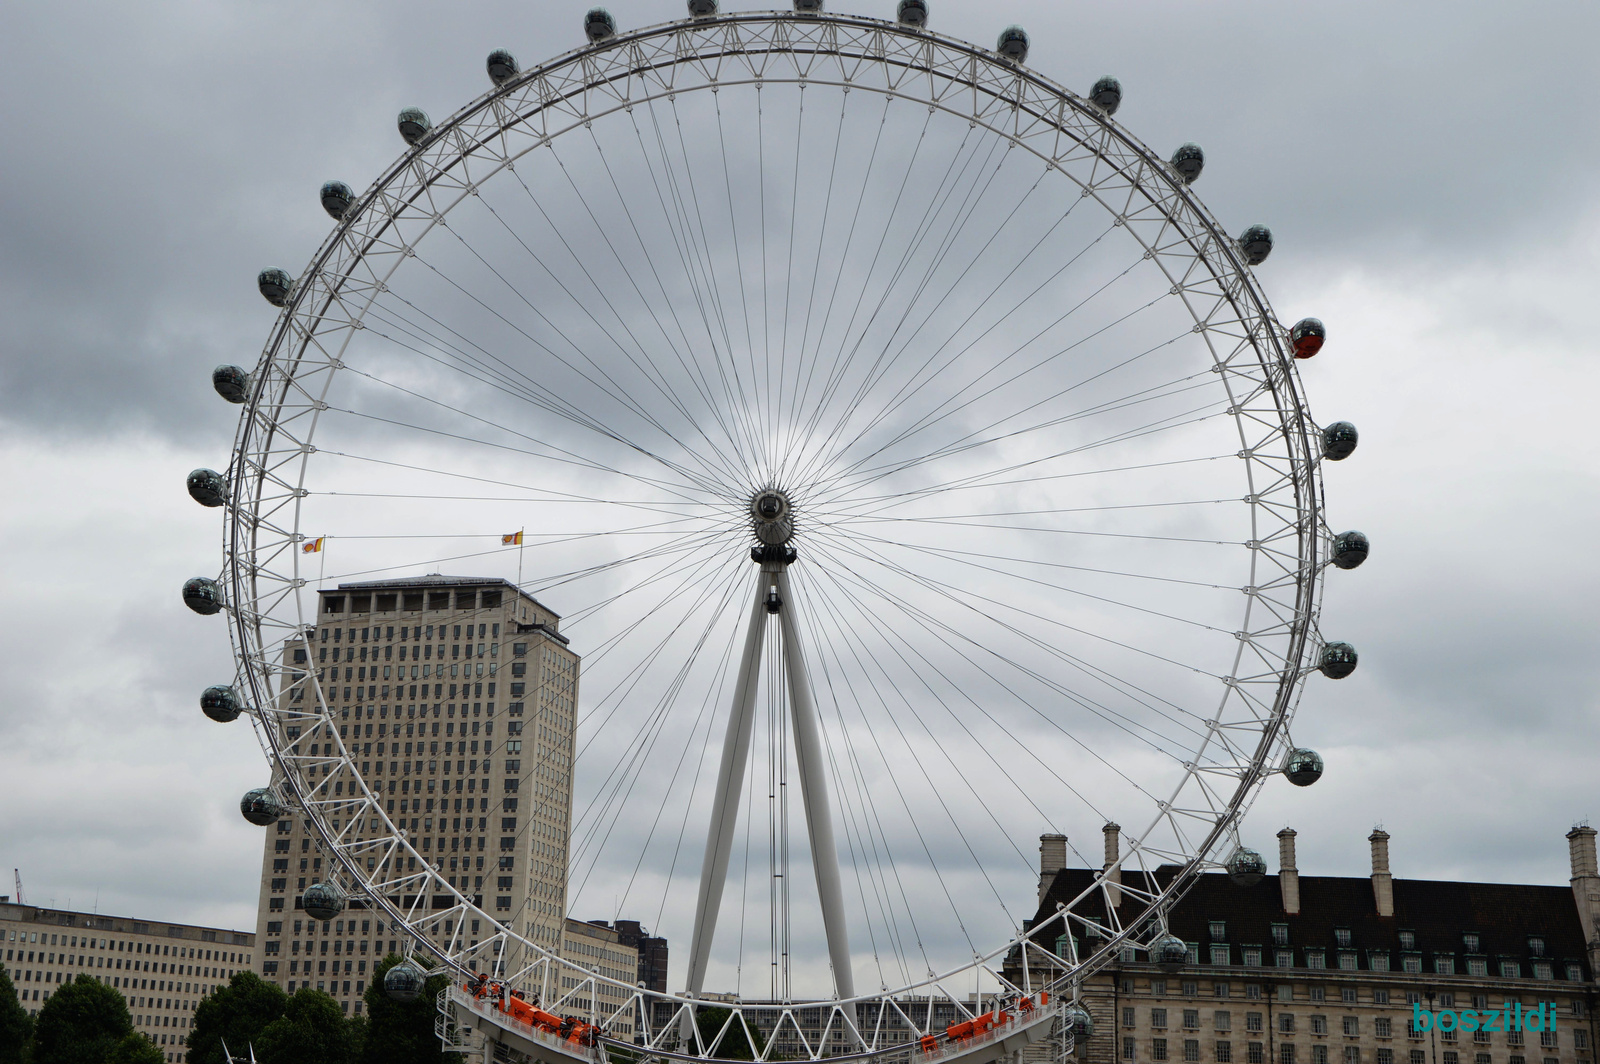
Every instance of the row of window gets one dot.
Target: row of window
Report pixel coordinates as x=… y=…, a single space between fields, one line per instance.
x=1379 y=961
x=1382 y=1026
x=1222 y=1052
x=1470 y=941
x=412 y=601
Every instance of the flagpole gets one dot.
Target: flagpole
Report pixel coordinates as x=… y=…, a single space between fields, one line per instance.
x=322 y=561
x=519 y=558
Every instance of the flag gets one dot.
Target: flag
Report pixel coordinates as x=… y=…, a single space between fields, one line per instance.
x=511 y=539
x=312 y=546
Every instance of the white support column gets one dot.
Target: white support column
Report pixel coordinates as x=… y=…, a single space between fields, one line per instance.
x=730 y=786
x=814 y=792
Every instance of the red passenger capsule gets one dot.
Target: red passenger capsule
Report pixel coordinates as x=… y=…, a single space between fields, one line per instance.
x=1306 y=337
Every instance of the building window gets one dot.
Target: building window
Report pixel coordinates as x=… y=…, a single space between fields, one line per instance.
x=1510 y=970
x=1252 y=958
x=1158 y=1049
x=1315 y=958
x=1347 y=962
x=1158 y=1018
x=1408 y=940
x=1191 y=1049
x=1286 y=1054
x=1383 y=1056
x=1547 y=1038
x=1469 y=941
x=1411 y=963
x=1536 y=945
x=1253 y=1053
x=1378 y=962
x=1444 y=964
x=1580 y=1038
x=1477 y=966
x=1129 y=1048
x=1319 y=1025
x=1284 y=958
x=1127 y=1017
x=1280 y=934
x=1541 y=970
x=1341 y=935
x=1252 y=1021
x=1419 y=1057
x=1285 y=1023
x=1482 y=1058
x=1224 y=1052
x=1381 y=1027
x=1317 y=993
x=1351 y=1025
x=1219 y=930
x=1191 y=1019
x=1221 y=1020
x=1352 y=1055
x=1220 y=954
x=1319 y=1054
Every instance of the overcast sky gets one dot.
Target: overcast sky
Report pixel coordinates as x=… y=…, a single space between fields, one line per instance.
x=1432 y=176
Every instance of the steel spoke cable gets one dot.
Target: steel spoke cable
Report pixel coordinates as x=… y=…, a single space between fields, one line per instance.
x=762 y=455
x=894 y=639
x=966 y=599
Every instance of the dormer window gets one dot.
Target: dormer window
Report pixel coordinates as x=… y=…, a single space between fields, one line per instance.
x=1408 y=940
x=1470 y=941
x=1219 y=931
x=1535 y=945
x=1280 y=934
x=1342 y=935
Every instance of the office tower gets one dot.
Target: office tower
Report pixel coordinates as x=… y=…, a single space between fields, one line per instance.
x=435 y=684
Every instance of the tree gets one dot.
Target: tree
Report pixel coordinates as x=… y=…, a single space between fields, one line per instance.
x=401 y=1032
x=136 y=1048
x=16 y=1026
x=81 y=1023
x=235 y=1014
x=312 y=1030
x=735 y=1044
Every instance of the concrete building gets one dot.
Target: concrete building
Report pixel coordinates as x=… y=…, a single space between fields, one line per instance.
x=600 y=948
x=1301 y=969
x=162 y=969
x=457 y=698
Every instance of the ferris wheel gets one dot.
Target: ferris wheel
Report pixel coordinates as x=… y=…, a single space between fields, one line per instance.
x=890 y=428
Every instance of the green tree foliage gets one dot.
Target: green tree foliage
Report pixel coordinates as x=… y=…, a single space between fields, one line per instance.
x=136 y=1048
x=16 y=1026
x=235 y=1014
x=82 y=1023
x=401 y=1032
x=312 y=1030
x=735 y=1044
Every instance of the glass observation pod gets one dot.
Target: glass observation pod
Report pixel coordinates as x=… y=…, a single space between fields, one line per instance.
x=1107 y=94
x=1304 y=767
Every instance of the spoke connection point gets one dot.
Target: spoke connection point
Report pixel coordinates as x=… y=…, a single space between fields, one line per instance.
x=772 y=554
x=771 y=519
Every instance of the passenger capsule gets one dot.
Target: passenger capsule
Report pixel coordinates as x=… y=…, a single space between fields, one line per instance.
x=275 y=285
x=231 y=382
x=1304 y=767
x=323 y=901
x=1170 y=953
x=404 y=981
x=1107 y=94
x=1246 y=867
x=202 y=595
x=1256 y=243
x=1189 y=160
x=1339 y=441
x=598 y=24
x=414 y=124
x=221 y=703
x=1349 y=549
x=261 y=807
x=502 y=66
x=1076 y=1018
x=1013 y=44
x=1338 y=660
x=337 y=198
x=913 y=13
x=1306 y=337
x=808 y=7
x=702 y=8
x=208 y=487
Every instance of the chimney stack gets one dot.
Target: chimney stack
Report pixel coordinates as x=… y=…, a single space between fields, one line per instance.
x=1052 y=859
x=1113 y=870
x=1382 y=881
x=1288 y=874
x=1586 y=888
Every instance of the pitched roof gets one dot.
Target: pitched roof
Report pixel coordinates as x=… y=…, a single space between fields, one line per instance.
x=1437 y=912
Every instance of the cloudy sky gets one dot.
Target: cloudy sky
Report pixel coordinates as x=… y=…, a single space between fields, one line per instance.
x=1430 y=174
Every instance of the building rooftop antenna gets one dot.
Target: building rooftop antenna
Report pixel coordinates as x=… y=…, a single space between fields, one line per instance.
x=17 y=874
